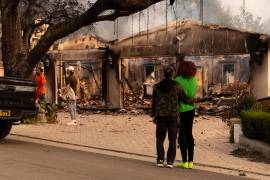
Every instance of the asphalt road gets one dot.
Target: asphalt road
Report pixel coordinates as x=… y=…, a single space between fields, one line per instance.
x=21 y=160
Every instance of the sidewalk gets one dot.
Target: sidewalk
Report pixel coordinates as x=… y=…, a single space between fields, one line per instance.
x=136 y=134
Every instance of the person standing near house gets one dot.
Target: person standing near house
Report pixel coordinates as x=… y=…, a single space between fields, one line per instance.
x=72 y=80
x=186 y=79
x=41 y=83
x=71 y=84
x=165 y=101
x=69 y=96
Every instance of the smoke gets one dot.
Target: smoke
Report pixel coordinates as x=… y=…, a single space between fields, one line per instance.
x=155 y=15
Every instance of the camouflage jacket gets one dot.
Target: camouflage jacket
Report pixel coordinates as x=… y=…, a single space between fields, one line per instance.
x=166 y=97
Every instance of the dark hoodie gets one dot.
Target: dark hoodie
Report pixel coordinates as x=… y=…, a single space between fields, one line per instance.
x=166 y=85
x=166 y=97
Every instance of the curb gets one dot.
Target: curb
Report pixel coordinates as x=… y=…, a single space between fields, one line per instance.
x=256 y=145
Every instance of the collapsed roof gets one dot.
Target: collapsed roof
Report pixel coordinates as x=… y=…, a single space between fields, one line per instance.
x=192 y=38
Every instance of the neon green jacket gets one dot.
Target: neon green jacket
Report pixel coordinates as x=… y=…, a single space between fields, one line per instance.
x=189 y=85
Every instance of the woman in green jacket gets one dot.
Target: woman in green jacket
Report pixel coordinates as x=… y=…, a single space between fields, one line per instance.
x=187 y=80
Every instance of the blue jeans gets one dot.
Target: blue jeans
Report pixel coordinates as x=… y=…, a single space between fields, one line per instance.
x=71 y=104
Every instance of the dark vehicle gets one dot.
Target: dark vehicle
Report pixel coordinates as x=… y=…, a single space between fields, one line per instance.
x=17 y=102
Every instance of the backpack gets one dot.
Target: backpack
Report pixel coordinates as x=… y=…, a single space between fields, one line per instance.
x=167 y=102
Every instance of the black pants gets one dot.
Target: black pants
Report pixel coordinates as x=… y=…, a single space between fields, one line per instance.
x=185 y=137
x=164 y=125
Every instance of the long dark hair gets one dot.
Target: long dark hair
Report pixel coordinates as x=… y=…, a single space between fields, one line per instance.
x=187 y=69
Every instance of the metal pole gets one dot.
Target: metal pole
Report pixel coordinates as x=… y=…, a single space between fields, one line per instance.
x=132 y=30
x=244 y=13
x=139 y=22
x=201 y=11
x=117 y=28
x=244 y=8
x=166 y=5
x=147 y=26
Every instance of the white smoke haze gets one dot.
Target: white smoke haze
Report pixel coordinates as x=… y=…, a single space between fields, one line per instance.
x=157 y=17
x=227 y=13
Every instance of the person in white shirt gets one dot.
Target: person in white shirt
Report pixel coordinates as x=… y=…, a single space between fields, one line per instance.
x=70 y=97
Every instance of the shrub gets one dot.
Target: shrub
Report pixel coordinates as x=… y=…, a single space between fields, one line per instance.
x=256 y=125
x=29 y=120
x=51 y=111
x=246 y=103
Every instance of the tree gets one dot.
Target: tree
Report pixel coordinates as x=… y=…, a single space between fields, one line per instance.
x=21 y=18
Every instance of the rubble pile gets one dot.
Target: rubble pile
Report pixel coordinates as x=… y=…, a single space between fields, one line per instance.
x=220 y=102
x=133 y=103
x=136 y=102
x=216 y=103
x=84 y=90
x=94 y=101
x=264 y=104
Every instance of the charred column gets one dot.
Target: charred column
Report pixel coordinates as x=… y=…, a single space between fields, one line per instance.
x=260 y=70
x=112 y=81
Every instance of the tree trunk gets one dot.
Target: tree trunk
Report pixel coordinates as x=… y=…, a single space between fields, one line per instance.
x=14 y=55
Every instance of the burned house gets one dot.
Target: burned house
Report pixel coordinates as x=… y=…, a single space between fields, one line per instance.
x=222 y=56
x=217 y=72
x=142 y=73
x=84 y=55
x=212 y=72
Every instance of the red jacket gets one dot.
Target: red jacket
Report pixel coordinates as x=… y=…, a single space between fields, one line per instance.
x=40 y=89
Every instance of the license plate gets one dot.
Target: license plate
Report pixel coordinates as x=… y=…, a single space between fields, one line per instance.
x=5 y=113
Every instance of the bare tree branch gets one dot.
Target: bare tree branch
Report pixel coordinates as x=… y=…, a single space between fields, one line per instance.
x=63 y=29
x=122 y=7
x=64 y=20
x=114 y=16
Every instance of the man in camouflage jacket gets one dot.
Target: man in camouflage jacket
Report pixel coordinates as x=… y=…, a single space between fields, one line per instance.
x=165 y=101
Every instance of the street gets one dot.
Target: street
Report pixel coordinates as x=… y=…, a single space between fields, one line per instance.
x=25 y=161
x=135 y=134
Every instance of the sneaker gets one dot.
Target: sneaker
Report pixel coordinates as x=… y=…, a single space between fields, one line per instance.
x=169 y=165
x=183 y=165
x=190 y=165
x=72 y=123
x=160 y=163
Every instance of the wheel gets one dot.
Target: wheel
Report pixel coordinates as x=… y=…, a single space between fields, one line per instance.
x=5 y=128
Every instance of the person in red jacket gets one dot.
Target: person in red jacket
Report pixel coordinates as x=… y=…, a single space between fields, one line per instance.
x=41 y=82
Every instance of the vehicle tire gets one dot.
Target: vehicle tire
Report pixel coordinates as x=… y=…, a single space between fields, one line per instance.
x=5 y=128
